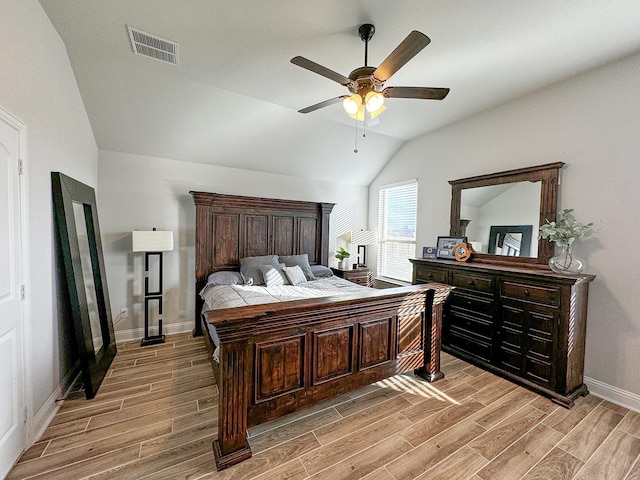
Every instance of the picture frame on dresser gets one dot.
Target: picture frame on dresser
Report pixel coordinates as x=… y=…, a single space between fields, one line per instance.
x=445 y=246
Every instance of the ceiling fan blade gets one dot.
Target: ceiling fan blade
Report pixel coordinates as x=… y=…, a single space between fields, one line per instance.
x=404 y=52
x=320 y=70
x=425 y=93
x=320 y=105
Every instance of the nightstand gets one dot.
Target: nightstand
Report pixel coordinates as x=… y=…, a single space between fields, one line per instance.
x=361 y=275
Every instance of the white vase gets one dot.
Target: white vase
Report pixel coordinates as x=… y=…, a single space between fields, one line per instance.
x=343 y=264
x=566 y=261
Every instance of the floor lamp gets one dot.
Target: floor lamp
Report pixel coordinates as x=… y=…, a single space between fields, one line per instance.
x=152 y=243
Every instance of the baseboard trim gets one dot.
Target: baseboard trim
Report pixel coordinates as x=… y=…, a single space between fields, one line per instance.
x=613 y=394
x=44 y=416
x=138 y=333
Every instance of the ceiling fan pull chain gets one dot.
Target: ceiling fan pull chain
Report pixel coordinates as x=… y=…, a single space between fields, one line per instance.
x=355 y=149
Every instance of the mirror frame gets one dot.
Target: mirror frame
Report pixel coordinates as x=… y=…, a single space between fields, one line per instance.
x=548 y=174
x=94 y=364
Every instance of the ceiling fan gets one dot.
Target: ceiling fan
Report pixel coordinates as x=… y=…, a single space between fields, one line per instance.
x=366 y=83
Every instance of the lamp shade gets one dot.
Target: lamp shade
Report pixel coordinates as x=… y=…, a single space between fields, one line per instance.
x=363 y=237
x=352 y=104
x=152 y=241
x=374 y=101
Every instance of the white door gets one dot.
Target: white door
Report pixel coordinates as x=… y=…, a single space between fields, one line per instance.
x=12 y=402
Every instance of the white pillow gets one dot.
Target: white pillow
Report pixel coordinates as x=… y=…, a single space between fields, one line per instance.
x=302 y=261
x=273 y=276
x=295 y=275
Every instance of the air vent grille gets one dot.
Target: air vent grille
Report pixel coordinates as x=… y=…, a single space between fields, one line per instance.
x=149 y=45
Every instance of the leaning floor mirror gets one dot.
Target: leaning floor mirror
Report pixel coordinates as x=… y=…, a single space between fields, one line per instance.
x=76 y=218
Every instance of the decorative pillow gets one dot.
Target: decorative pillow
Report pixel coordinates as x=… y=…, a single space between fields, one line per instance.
x=295 y=275
x=273 y=276
x=250 y=268
x=224 y=278
x=320 y=271
x=302 y=261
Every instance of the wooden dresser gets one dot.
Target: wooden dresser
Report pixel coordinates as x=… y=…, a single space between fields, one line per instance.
x=525 y=324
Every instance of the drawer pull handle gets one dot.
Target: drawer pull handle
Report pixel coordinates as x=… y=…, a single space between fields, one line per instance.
x=526 y=292
x=471 y=282
x=430 y=276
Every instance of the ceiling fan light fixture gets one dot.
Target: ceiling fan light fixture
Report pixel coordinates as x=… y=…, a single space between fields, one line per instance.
x=352 y=104
x=374 y=101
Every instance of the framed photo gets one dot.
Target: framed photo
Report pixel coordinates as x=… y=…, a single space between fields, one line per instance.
x=446 y=244
x=429 y=252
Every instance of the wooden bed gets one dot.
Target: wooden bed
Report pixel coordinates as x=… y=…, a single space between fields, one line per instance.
x=279 y=357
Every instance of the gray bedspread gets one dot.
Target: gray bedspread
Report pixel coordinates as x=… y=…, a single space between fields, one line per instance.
x=229 y=296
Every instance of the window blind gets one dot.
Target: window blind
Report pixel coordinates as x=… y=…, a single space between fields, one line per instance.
x=397 y=219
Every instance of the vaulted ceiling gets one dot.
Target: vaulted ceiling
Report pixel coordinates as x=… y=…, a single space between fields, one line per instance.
x=233 y=98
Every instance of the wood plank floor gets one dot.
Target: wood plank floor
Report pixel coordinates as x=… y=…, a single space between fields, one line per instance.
x=155 y=417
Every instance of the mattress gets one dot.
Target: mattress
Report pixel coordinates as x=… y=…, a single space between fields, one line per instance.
x=231 y=296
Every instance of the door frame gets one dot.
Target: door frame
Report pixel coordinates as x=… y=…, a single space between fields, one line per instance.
x=25 y=264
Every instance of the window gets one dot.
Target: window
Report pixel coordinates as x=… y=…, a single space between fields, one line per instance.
x=397 y=214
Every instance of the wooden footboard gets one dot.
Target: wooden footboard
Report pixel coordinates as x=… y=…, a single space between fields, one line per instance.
x=278 y=358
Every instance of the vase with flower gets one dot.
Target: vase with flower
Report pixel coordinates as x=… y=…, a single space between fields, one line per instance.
x=563 y=233
x=342 y=255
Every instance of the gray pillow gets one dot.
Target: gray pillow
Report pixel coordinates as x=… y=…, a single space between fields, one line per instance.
x=302 y=261
x=273 y=276
x=250 y=268
x=320 y=271
x=224 y=278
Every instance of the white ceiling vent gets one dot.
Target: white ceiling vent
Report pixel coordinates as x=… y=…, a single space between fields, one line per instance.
x=149 y=45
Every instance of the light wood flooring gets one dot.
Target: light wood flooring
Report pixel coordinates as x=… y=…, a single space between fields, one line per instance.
x=155 y=417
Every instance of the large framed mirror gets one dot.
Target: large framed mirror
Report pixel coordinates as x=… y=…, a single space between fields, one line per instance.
x=500 y=213
x=76 y=219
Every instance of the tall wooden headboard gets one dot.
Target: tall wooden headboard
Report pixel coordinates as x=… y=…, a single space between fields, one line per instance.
x=230 y=227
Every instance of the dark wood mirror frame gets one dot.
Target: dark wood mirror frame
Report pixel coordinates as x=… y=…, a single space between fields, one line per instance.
x=548 y=174
x=94 y=364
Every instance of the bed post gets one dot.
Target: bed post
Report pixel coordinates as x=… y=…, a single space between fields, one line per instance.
x=231 y=446
x=324 y=233
x=432 y=334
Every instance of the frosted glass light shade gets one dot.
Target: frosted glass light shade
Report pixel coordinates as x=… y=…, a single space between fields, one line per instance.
x=374 y=101
x=360 y=115
x=363 y=237
x=352 y=104
x=152 y=241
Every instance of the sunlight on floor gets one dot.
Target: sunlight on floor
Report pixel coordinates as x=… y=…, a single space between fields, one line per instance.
x=414 y=386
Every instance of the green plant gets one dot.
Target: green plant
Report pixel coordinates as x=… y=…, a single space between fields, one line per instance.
x=565 y=230
x=341 y=254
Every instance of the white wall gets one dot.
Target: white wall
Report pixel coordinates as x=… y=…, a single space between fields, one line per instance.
x=138 y=193
x=39 y=88
x=591 y=123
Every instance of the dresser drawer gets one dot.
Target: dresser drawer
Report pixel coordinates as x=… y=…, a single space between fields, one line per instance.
x=470 y=344
x=540 y=347
x=476 y=283
x=531 y=293
x=428 y=275
x=364 y=281
x=471 y=324
x=541 y=323
x=539 y=371
x=471 y=303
